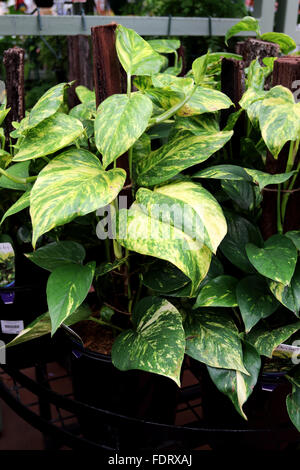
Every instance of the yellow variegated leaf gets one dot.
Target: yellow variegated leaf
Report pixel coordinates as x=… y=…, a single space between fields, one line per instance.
x=197 y=210
x=180 y=153
x=117 y=131
x=72 y=184
x=156 y=343
x=142 y=229
x=135 y=54
x=47 y=105
x=49 y=136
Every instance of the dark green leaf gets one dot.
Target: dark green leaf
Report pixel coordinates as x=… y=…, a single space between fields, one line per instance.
x=57 y=254
x=276 y=260
x=254 y=300
x=219 y=292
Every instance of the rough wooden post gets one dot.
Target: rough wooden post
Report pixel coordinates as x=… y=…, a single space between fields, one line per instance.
x=13 y=60
x=181 y=55
x=80 y=65
x=253 y=48
x=233 y=85
x=109 y=77
x=286 y=73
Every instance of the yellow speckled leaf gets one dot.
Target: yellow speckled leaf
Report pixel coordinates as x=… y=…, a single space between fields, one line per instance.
x=50 y=135
x=119 y=123
x=72 y=184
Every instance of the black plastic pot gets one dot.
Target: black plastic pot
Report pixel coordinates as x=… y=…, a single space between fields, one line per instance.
x=135 y=393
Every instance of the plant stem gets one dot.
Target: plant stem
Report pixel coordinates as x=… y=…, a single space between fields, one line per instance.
x=294 y=145
x=128 y=85
x=104 y=323
x=279 y=221
x=170 y=112
x=116 y=245
x=17 y=179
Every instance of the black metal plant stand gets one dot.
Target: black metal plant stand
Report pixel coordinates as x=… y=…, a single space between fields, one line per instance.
x=56 y=414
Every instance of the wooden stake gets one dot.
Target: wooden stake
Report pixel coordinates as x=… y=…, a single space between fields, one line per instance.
x=80 y=65
x=109 y=77
x=13 y=60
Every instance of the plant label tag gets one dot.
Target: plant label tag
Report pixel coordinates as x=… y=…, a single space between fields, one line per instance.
x=12 y=327
x=7 y=271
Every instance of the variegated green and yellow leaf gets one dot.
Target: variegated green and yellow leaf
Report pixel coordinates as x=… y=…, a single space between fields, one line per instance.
x=213 y=338
x=5 y=158
x=218 y=292
x=255 y=301
x=265 y=339
x=237 y=173
x=205 y=100
x=164 y=46
x=190 y=207
x=197 y=125
x=42 y=325
x=156 y=343
x=20 y=170
x=3 y=113
x=47 y=105
x=289 y=296
x=140 y=231
x=248 y=23
x=135 y=54
x=236 y=385
x=116 y=132
x=49 y=136
x=67 y=287
x=276 y=260
x=180 y=153
x=72 y=184
x=279 y=119
x=285 y=42
x=18 y=206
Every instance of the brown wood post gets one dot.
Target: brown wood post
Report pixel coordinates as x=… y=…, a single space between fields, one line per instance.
x=233 y=85
x=13 y=60
x=286 y=73
x=109 y=77
x=181 y=55
x=253 y=48
x=80 y=65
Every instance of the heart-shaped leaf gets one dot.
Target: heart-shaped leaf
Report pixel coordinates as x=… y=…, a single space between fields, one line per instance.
x=213 y=338
x=276 y=260
x=236 y=385
x=143 y=231
x=49 y=136
x=192 y=209
x=254 y=300
x=135 y=54
x=219 y=292
x=116 y=132
x=47 y=105
x=239 y=232
x=265 y=339
x=156 y=343
x=72 y=184
x=248 y=23
x=289 y=296
x=67 y=287
x=285 y=42
x=57 y=254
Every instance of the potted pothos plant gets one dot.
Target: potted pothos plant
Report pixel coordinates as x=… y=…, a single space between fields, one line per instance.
x=182 y=268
